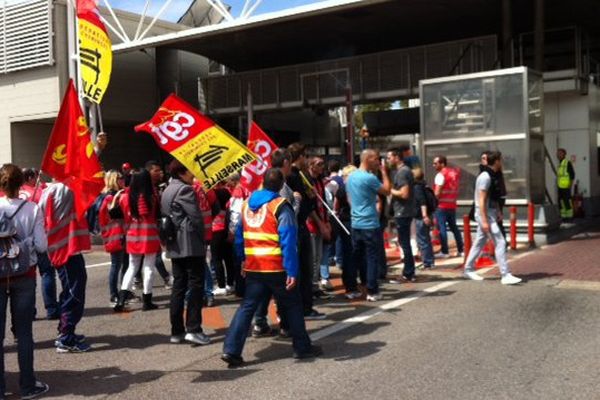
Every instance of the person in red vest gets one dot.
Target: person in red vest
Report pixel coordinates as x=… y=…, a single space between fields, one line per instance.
x=31 y=190
x=446 y=184
x=140 y=208
x=266 y=243
x=112 y=230
x=67 y=238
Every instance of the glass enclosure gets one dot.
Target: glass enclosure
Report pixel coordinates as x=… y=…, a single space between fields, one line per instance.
x=462 y=116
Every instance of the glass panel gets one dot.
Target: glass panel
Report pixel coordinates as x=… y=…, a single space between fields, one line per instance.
x=473 y=107
x=466 y=156
x=535 y=102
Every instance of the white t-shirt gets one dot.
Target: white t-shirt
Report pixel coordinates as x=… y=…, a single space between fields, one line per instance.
x=439 y=179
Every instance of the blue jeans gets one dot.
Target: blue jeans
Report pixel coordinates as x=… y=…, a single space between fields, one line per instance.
x=339 y=252
x=208 y=279
x=424 y=242
x=21 y=292
x=73 y=278
x=403 y=225
x=382 y=257
x=116 y=263
x=48 y=275
x=258 y=287
x=444 y=217
x=365 y=253
x=325 y=261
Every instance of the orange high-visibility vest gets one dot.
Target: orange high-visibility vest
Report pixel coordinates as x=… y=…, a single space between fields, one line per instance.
x=449 y=195
x=261 y=237
x=112 y=230
x=66 y=237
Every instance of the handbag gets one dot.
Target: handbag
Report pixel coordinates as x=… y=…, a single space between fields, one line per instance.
x=167 y=230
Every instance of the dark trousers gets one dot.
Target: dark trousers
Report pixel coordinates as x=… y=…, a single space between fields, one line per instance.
x=116 y=265
x=221 y=251
x=73 y=278
x=365 y=244
x=448 y=217
x=346 y=261
x=48 y=275
x=21 y=292
x=258 y=287
x=188 y=276
x=306 y=268
x=403 y=225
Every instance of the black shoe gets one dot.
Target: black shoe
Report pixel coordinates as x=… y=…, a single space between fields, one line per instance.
x=314 y=315
x=284 y=334
x=262 y=331
x=319 y=294
x=38 y=389
x=148 y=304
x=120 y=305
x=231 y=360
x=314 y=351
x=408 y=278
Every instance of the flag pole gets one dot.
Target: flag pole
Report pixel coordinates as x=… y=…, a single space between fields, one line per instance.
x=306 y=182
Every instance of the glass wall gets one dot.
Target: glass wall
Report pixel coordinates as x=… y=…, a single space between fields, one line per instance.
x=462 y=116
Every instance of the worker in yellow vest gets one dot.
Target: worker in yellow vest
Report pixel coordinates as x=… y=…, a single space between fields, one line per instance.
x=564 y=180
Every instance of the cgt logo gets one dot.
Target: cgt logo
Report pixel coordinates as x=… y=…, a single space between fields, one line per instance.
x=263 y=150
x=173 y=126
x=59 y=155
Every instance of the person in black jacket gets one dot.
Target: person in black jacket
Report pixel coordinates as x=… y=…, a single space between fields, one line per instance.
x=423 y=219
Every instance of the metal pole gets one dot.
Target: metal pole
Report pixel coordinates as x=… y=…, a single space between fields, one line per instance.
x=349 y=124
x=249 y=107
x=71 y=42
x=539 y=35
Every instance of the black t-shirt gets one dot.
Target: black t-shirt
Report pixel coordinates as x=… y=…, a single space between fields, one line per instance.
x=307 y=205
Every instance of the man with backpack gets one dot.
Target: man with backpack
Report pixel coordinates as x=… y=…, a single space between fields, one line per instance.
x=426 y=203
x=446 y=186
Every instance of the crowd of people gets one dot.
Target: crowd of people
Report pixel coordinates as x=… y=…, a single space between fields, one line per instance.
x=279 y=241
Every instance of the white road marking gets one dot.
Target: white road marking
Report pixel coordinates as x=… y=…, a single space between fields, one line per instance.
x=104 y=264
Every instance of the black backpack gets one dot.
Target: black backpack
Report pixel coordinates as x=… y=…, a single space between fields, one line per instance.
x=14 y=250
x=430 y=200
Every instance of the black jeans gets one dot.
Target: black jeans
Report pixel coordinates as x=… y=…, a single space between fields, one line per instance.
x=188 y=276
x=221 y=251
x=306 y=267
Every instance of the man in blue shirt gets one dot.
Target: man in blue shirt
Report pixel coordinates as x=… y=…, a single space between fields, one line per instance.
x=363 y=187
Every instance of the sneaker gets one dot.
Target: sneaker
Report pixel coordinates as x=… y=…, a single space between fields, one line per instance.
x=510 y=279
x=77 y=338
x=231 y=360
x=472 y=275
x=262 y=331
x=374 y=297
x=38 y=388
x=353 y=295
x=220 y=291
x=229 y=290
x=284 y=334
x=313 y=315
x=441 y=255
x=314 y=351
x=460 y=254
x=72 y=348
x=197 y=338
x=177 y=339
x=325 y=284
x=428 y=267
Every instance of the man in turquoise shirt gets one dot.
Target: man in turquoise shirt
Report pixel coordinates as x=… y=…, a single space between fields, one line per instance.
x=362 y=188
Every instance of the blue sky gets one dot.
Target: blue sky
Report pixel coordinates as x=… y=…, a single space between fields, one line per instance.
x=178 y=7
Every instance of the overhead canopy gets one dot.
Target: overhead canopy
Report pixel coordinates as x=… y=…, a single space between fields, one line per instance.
x=341 y=28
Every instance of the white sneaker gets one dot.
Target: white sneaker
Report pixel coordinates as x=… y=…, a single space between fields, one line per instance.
x=220 y=291
x=197 y=338
x=353 y=295
x=510 y=279
x=374 y=297
x=441 y=255
x=461 y=254
x=326 y=285
x=472 y=275
x=228 y=289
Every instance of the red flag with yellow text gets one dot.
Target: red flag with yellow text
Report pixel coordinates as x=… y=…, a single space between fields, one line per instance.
x=70 y=157
x=262 y=145
x=210 y=153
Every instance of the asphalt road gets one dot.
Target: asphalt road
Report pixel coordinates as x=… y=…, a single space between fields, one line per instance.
x=441 y=338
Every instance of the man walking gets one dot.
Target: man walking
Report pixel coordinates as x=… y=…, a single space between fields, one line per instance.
x=445 y=187
x=363 y=187
x=266 y=242
x=486 y=214
x=403 y=203
x=564 y=180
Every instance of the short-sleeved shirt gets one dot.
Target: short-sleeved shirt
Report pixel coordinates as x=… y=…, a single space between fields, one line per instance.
x=362 y=188
x=439 y=179
x=404 y=208
x=483 y=182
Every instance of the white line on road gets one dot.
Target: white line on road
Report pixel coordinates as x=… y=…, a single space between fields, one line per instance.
x=104 y=264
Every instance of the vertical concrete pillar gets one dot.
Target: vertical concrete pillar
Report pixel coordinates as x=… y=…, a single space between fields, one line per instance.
x=538 y=34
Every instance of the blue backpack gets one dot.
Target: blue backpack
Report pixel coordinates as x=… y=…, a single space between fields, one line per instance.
x=14 y=250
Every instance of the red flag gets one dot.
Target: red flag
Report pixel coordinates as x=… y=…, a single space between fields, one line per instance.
x=263 y=147
x=70 y=157
x=88 y=9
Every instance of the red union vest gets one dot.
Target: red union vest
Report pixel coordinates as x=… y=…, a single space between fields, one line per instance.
x=206 y=209
x=142 y=233
x=449 y=194
x=261 y=238
x=112 y=230
x=66 y=237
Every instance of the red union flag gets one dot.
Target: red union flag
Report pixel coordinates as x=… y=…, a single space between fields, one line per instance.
x=210 y=153
x=263 y=147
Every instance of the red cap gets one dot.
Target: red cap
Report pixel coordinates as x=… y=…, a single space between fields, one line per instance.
x=126 y=166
